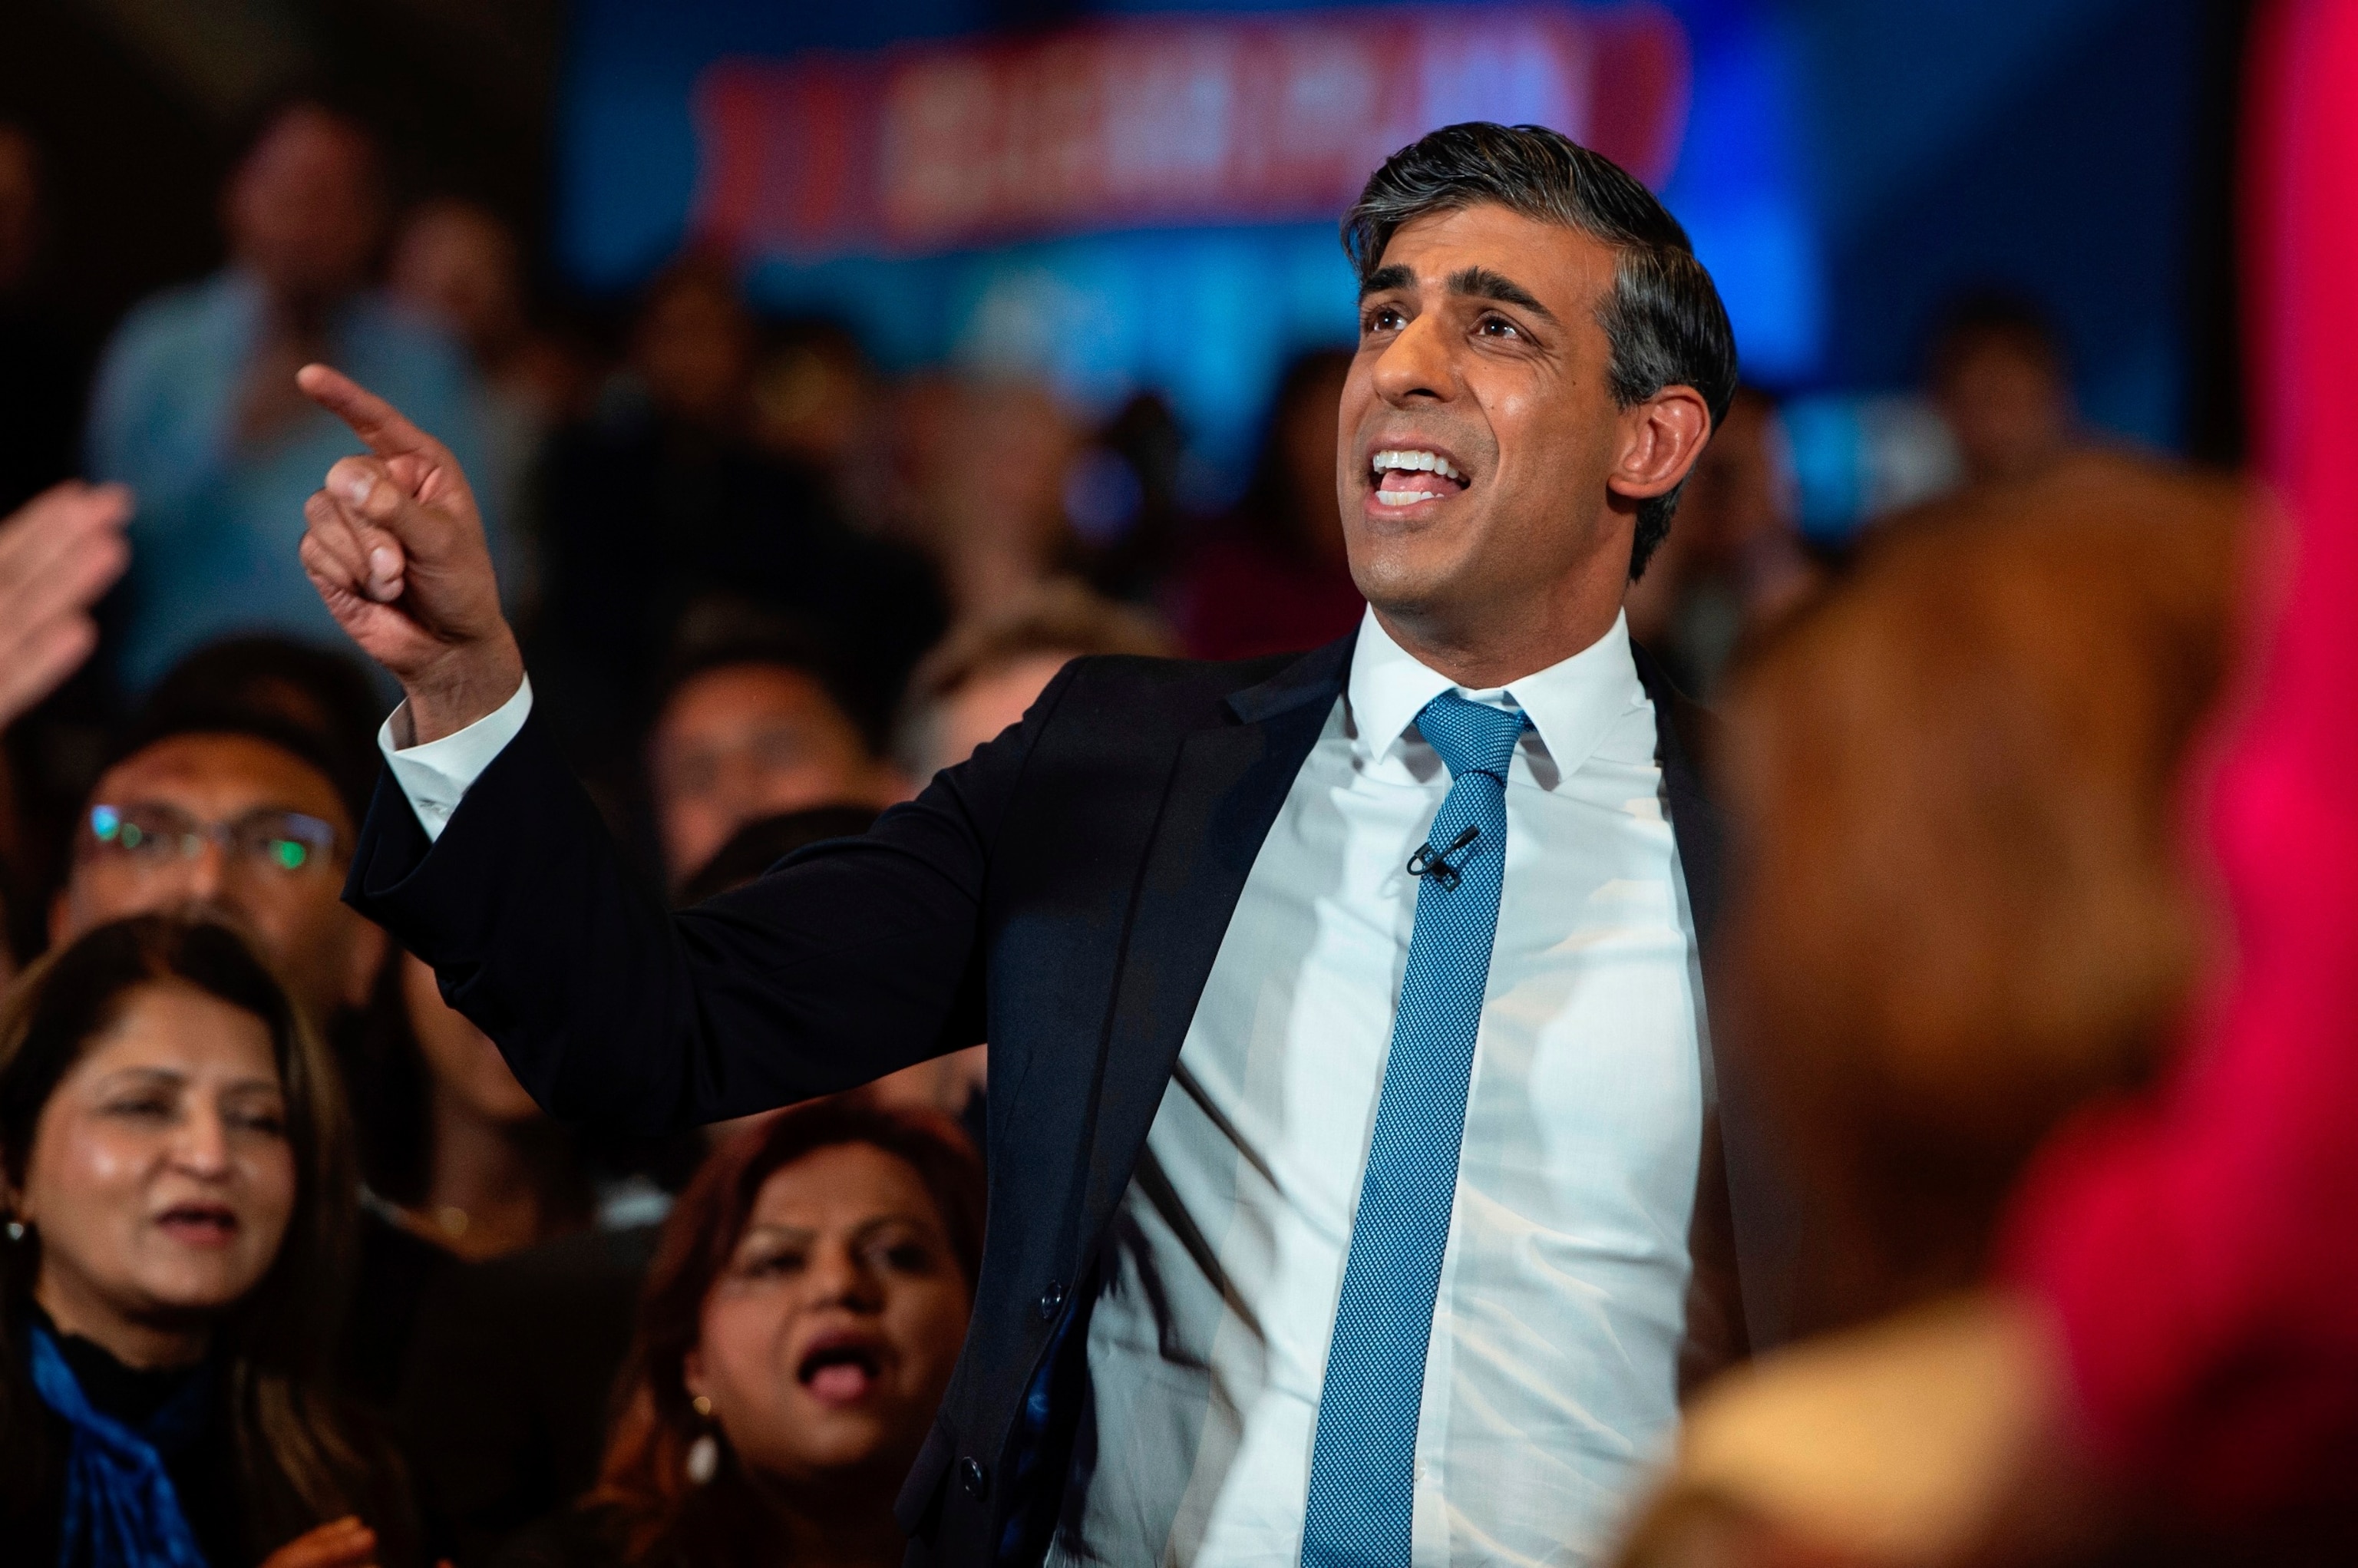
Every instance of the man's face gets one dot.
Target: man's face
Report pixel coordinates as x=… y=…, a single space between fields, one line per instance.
x=225 y=818
x=744 y=742
x=458 y=263
x=304 y=209
x=1479 y=349
x=695 y=348
x=2006 y=402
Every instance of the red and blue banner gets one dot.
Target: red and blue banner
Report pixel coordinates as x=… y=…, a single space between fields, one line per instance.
x=1148 y=122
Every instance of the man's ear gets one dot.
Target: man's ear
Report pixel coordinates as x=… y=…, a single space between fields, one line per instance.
x=362 y=960
x=1660 y=438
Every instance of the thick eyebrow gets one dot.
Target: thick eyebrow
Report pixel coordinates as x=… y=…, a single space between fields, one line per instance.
x=1473 y=281
x=1481 y=283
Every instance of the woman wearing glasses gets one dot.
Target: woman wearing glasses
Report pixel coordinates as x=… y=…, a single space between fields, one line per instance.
x=176 y=1175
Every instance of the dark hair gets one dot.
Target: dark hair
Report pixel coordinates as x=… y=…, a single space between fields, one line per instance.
x=1664 y=315
x=342 y=775
x=299 y=1465
x=1993 y=315
x=644 y=1477
x=270 y=686
x=718 y=631
x=327 y=100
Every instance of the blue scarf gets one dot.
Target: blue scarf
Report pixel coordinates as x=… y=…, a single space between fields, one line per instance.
x=121 y=1510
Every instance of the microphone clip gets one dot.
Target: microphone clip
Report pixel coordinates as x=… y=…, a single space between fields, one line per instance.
x=1433 y=863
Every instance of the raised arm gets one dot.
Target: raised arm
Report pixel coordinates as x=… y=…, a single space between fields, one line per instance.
x=863 y=958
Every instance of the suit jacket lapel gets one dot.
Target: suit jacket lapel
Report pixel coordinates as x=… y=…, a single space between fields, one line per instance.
x=1225 y=789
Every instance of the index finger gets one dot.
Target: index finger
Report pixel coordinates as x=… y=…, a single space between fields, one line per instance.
x=372 y=419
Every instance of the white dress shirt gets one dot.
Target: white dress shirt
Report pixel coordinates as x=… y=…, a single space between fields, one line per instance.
x=1550 y=1380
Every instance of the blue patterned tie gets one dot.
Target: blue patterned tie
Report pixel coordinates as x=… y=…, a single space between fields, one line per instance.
x=1363 y=1464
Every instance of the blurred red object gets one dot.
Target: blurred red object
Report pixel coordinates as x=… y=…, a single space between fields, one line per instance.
x=2201 y=1251
x=1240 y=599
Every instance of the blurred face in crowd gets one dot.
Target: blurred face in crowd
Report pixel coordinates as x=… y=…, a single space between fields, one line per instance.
x=468 y=1070
x=812 y=404
x=694 y=348
x=1736 y=492
x=1030 y=439
x=458 y=263
x=1480 y=357
x=1307 y=430
x=305 y=211
x=745 y=742
x=1735 y=525
x=828 y=1341
x=233 y=828
x=990 y=462
x=159 y=1176
x=2006 y=401
x=992 y=699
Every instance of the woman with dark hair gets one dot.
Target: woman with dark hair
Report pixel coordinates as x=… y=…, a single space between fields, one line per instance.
x=798 y=1329
x=179 y=1192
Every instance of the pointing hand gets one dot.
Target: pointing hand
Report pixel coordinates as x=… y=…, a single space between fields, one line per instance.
x=396 y=548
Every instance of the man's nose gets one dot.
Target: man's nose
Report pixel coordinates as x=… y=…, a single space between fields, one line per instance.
x=1414 y=366
x=205 y=873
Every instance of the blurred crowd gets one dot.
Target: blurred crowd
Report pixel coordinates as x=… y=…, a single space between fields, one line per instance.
x=767 y=590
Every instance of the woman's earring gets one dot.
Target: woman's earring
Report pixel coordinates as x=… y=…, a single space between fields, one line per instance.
x=704 y=1453
x=15 y=1230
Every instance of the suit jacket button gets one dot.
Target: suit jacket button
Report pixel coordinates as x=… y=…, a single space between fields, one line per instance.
x=1050 y=1299
x=974 y=1477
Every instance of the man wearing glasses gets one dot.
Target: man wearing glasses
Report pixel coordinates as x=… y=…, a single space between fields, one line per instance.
x=237 y=819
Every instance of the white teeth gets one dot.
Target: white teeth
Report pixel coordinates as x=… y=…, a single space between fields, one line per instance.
x=1404 y=497
x=1416 y=461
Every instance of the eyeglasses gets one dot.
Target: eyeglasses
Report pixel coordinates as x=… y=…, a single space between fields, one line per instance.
x=152 y=837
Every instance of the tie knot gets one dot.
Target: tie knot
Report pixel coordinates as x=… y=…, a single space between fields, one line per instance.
x=1471 y=736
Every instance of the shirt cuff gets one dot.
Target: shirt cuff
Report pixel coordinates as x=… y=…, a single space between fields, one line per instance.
x=436 y=775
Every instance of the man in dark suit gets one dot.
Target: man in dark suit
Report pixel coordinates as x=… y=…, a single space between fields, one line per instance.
x=1362 y=1181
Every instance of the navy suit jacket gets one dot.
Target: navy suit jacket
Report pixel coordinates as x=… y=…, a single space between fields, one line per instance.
x=1062 y=894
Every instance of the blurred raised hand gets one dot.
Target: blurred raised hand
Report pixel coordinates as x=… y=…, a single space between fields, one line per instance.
x=396 y=548
x=57 y=552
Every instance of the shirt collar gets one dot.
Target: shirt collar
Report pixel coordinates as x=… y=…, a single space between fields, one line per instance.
x=1573 y=703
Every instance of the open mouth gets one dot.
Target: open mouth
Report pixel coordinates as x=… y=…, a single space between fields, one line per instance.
x=200 y=1225
x=1411 y=476
x=840 y=1370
